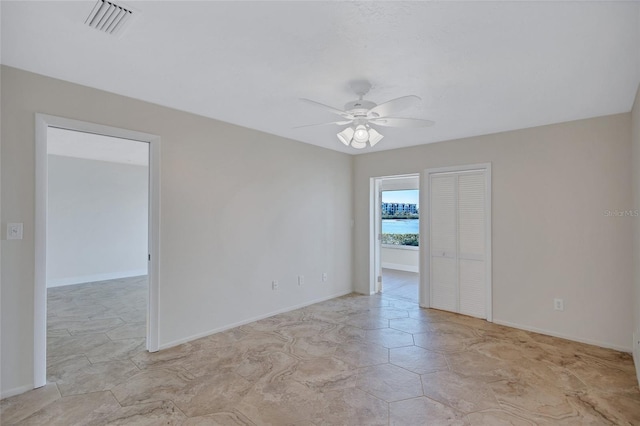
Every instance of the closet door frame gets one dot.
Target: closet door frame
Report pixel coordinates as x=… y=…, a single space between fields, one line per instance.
x=425 y=234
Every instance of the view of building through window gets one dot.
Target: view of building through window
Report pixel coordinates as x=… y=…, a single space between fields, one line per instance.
x=400 y=217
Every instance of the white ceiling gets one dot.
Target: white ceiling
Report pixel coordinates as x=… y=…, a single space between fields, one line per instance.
x=69 y=143
x=480 y=67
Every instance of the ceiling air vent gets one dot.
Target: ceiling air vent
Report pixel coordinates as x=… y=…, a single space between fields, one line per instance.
x=109 y=17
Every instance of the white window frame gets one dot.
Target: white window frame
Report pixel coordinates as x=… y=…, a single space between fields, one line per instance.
x=400 y=246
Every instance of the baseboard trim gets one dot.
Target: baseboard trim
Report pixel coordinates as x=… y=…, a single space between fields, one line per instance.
x=400 y=267
x=16 y=391
x=563 y=336
x=249 y=320
x=83 y=279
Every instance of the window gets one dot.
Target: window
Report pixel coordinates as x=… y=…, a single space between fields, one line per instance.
x=400 y=217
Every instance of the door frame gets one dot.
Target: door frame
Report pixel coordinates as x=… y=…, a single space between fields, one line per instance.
x=375 y=230
x=42 y=123
x=375 y=245
x=425 y=287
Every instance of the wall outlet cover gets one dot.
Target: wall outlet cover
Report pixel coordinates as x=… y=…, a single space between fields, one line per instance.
x=14 y=231
x=558 y=304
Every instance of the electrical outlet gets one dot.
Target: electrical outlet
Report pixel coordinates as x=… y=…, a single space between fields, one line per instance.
x=300 y=279
x=14 y=231
x=324 y=277
x=558 y=304
x=274 y=285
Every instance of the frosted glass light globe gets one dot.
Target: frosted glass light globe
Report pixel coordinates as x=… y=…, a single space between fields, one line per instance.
x=361 y=134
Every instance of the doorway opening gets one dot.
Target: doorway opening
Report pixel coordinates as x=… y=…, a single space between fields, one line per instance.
x=397 y=237
x=97 y=229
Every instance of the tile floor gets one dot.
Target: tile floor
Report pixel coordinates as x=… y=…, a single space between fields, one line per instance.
x=400 y=285
x=355 y=360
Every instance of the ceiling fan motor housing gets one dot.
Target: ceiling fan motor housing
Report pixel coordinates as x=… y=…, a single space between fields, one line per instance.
x=359 y=107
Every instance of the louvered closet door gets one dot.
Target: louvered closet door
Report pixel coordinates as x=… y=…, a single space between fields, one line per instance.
x=458 y=243
x=443 y=237
x=471 y=244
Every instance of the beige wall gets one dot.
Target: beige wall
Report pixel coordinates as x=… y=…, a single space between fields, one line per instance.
x=635 y=158
x=551 y=238
x=239 y=208
x=400 y=258
x=236 y=205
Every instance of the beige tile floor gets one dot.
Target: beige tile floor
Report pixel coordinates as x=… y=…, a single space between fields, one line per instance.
x=355 y=360
x=400 y=285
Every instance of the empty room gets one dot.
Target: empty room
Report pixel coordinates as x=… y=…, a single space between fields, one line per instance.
x=319 y=213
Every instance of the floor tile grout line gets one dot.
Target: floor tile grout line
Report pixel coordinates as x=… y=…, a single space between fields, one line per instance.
x=357 y=309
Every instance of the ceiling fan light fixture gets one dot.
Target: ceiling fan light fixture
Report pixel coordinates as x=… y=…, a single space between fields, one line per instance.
x=361 y=134
x=360 y=114
x=346 y=135
x=374 y=137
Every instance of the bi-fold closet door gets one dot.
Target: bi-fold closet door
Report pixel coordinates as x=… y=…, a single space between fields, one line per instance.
x=459 y=252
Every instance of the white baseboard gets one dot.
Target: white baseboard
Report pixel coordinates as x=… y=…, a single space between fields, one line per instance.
x=59 y=282
x=400 y=267
x=15 y=391
x=249 y=320
x=564 y=336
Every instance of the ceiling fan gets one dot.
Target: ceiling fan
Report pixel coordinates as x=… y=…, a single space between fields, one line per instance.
x=361 y=114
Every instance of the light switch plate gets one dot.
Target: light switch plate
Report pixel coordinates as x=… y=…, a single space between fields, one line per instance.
x=14 y=231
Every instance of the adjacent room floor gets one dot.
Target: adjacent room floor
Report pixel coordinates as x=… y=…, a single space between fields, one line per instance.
x=89 y=324
x=400 y=285
x=355 y=360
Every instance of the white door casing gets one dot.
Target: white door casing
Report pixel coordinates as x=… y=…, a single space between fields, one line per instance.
x=42 y=122
x=376 y=186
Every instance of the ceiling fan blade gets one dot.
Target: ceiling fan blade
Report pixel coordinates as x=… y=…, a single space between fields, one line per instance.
x=327 y=108
x=394 y=105
x=339 y=123
x=401 y=122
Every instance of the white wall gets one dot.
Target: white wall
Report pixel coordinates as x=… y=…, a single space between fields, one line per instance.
x=97 y=216
x=400 y=258
x=236 y=207
x=551 y=238
x=400 y=183
x=635 y=167
x=239 y=208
